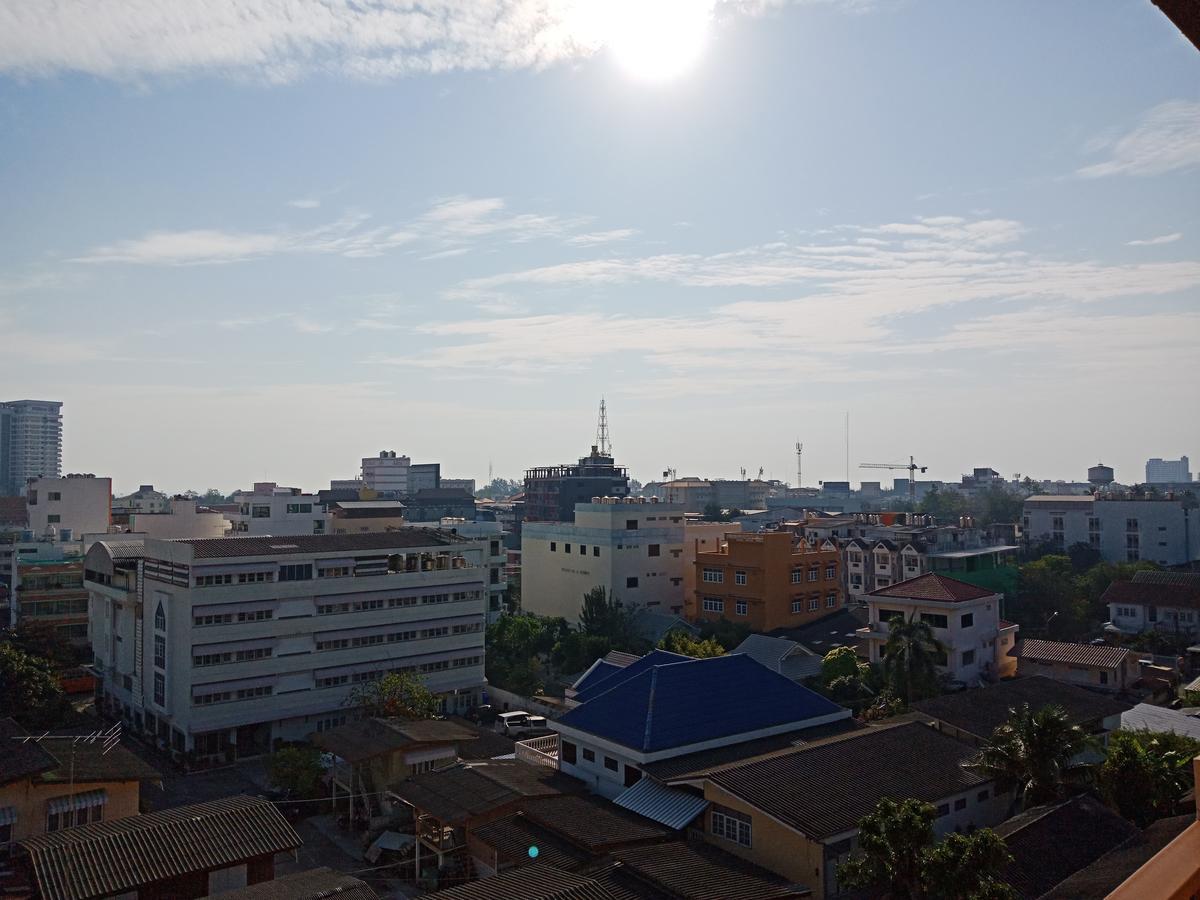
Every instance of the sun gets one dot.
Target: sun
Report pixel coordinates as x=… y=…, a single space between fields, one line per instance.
x=657 y=40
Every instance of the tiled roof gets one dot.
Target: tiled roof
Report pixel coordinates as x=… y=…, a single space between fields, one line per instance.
x=1147 y=717
x=1182 y=579
x=834 y=630
x=620 y=659
x=766 y=650
x=114 y=857
x=624 y=673
x=1149 y=593
x=692 y=765
x=1051 y=843
x=696 y=871
x=512 y=837
x=366 y=738
x=19 y=759
x=219 y=548
x=311 y=884
x=980 y=711
x=682 y=703
x=592 y=823
x=826 y=789
x=1106 y=873
x=528 y=883
x=1100 y=655
x=460 y=793
x=932 y=586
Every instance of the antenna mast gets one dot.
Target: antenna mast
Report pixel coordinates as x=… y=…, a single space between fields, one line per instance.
x=603 y=444
x=847 y=446
x=799 y=464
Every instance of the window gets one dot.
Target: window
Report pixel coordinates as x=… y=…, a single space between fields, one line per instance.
x=797 y=607
x=981 y=796
x=797 y=576
x=299 y=507
x=260 y=512
x=81 y=809
x=255 y=577
x=334 y=572
x=712 y=604
x=1104 y=678
x=53 y=518
x=589 y=755
x=160 y=619
x=330 y=723
x=160 y=688
x=260 y=615
x=739 y=577
x=566 y=548
x=814 y=603
x=567 y=752
x=553 y=547
x=1131 y=524
x=54 y=495
x=831 y=601
x=631 y=524
x=216 y=619
x=595 y=551
x=298 y=572
x=213 y=580
x=830 y=572
x=813 y=573
x=943 y=810
x=583 y=549
x=713 y=576
x=966 y=620
x=935 y=620
x=741 y=607
x=631 y=582
x=160 y=651
x=732 y=825
x=653 y=550
x=968 y=658
x=610 y=764
x=960 y=804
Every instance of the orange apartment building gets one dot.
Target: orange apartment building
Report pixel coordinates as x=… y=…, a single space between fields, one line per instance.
x=766 y=581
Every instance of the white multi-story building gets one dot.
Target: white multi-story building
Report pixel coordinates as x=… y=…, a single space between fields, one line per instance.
x=79 y=504
x=964 y=618
x=1120 y=527
x=632 y=547
x=222 y=648
x=386 y=473
x=497 y=556
x=144 y=500
x=1168 y=471
x=30 y=443
x=271 y=509
x=179 y=518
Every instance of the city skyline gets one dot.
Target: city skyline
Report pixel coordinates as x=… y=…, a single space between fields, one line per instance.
x=245 y=249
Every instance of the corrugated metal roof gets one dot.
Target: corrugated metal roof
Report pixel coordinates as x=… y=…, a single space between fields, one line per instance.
x=1156 y=718
x=668 y=806
x=114 y=857
x=1103 y=656
x=528 y=883
x=593 y=823
x=702 y=872
x=311 y=884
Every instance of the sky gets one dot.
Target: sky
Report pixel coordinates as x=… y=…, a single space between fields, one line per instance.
x=261 y=240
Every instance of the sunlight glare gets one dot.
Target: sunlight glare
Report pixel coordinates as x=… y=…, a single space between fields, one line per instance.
x=657 y=40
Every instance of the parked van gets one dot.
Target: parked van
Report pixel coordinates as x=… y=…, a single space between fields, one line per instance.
x=510 y=722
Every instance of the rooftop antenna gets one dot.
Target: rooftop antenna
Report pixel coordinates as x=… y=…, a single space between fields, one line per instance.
x=603 y=444
x=743 y=471
x=799 y=464
x=847 y=446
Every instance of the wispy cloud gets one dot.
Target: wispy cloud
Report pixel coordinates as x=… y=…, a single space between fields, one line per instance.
x=450 y=225
x=1154 y=241
x=305 y=203
x=1166 y=139
x=592 y=239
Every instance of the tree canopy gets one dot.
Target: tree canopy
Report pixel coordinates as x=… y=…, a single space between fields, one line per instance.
x=679 y=641
x=910 y=659
x=400 y=694
x=296 y=770
x=31 y=693
x=603 y=614
x=1145 y=774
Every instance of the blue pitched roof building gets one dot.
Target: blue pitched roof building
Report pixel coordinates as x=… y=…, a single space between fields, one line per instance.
x=666 y=705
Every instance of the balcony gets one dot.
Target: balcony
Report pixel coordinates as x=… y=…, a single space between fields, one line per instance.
x=539 y=751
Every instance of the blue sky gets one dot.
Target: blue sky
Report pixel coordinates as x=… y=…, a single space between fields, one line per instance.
x=262 y=240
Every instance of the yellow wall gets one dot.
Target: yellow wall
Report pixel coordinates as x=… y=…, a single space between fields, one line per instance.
x=30 y=800
x=775 y=847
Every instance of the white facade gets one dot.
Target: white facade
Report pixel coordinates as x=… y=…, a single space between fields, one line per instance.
x=386 y=473
x=30 y=443
x=1168 y=471
x=79 y=503
x=976 y=640
x=271 y=509
x=632 y=548
x=144 y=500
x=179 y=519
x=1122 y=529
x=497 y=556
x=226 y=647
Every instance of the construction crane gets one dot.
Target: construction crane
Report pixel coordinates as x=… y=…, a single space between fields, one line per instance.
x=912 y=468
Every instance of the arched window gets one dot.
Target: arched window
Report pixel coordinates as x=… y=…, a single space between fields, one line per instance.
x=160 y=618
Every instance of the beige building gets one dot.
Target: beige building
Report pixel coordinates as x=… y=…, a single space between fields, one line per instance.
x=701 y=537
x=80 y=503
x=697 y=493
x=1105 y=667
x=179 y=519
x=58 y=783
x=632 y=547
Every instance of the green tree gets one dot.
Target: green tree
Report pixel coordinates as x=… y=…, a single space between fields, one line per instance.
x=31 y=694
x=515 y=648
x=400 y=694
x=726 y=633
x=602 y=614
x=211 y=496
x=998 y=504
x=1035 y=754
x=910 y=659
x=679 y=641
x=576 y=651
x=1083 y=557
x=897 y=850
x=1049 y=602
x=713 y=513
x=840 y=662
x=945 y=505
x=43 y=640
x=1145 y=774
x=296 y=770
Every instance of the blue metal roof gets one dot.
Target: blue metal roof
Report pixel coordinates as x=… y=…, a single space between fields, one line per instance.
x=595 y=675
x=620 y=676
x=684 y=701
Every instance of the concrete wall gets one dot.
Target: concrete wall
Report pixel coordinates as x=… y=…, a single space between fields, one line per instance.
x=81 y=503
x=1118 y=677
x=30 y=799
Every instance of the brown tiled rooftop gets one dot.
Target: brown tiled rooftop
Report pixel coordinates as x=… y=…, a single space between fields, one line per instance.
x=1102 y=656
x=933 y=587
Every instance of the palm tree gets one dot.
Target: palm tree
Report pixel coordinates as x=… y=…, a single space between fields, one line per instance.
x=1037 y=754
x=911 y=657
